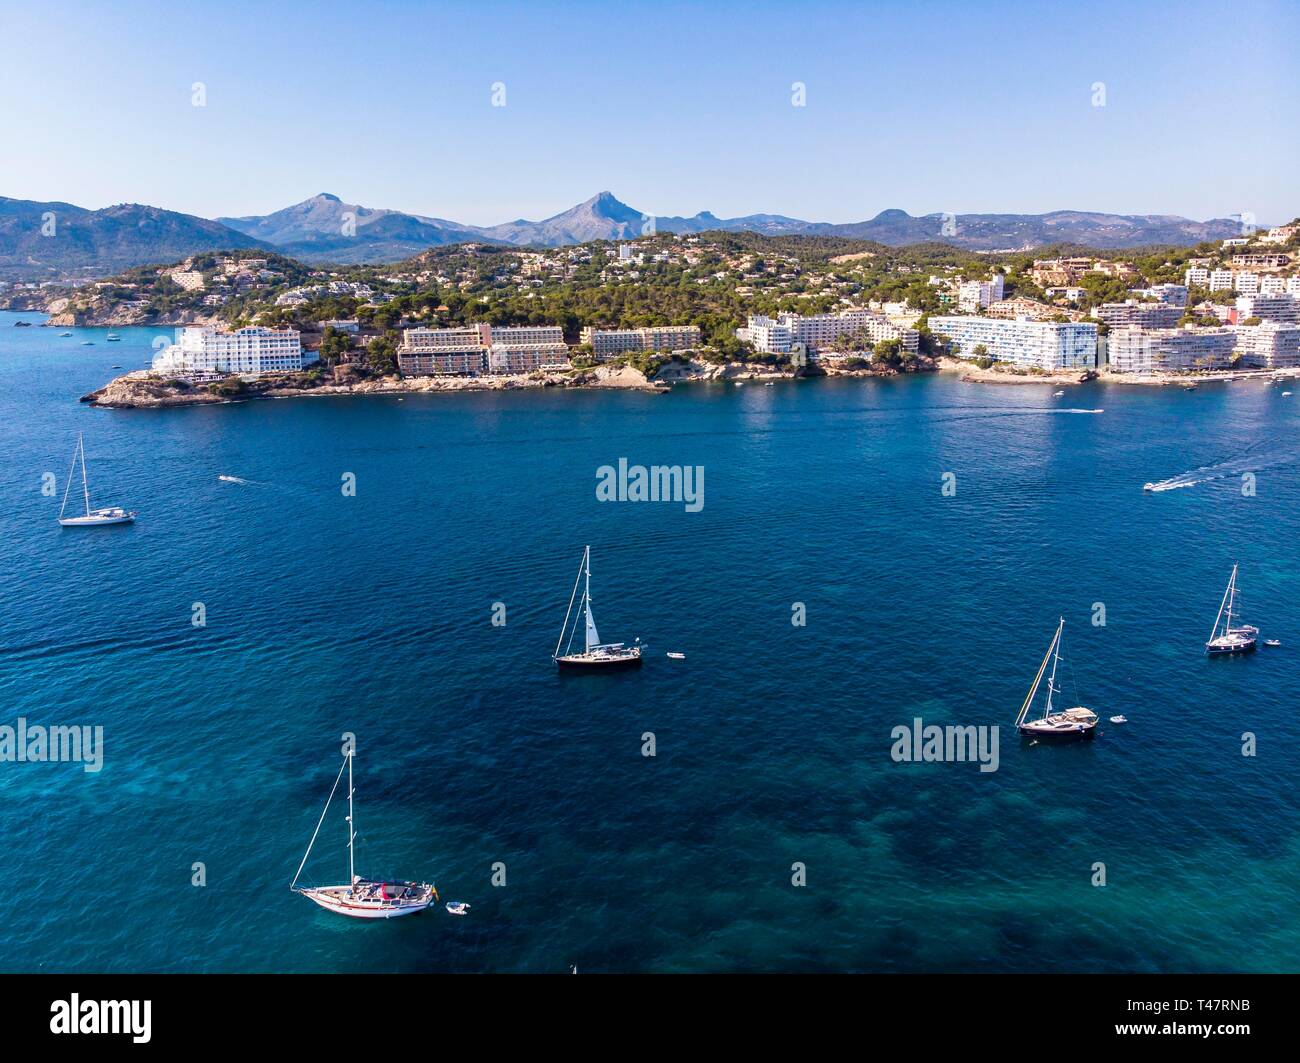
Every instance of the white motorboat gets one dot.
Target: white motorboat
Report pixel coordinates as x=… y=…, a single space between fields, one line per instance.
x=595 y=655
x=92 y=518
x=1272 y=642
x=1238 y=638
x=362 y=898
x=1119 y=719
x=457 y=908
x=678 y=656
x=1055 y=725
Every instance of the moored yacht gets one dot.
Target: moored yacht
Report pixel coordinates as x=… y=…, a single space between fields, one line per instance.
x=595 y=655
x=362 y=898
x=92 y=517
x=1055 y=725
x=1233 y=638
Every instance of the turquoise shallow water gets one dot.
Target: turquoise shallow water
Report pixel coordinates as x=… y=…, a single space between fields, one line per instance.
x=372 y=614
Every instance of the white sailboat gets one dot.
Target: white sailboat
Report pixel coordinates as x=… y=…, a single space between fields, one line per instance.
x=362 y=898
x=93 y=518
x=1061 y=725
x=594 y=654
x=1240 y=638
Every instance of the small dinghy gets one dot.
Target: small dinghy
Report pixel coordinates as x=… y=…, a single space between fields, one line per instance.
x=1119 y=719
x=1272 y=642
x=678 y=656
x=1285 y=394
x=1057 y=394
x=457 y=908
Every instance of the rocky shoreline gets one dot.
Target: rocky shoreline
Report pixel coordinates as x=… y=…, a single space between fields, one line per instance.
x=1004 y=374
x=142 y=390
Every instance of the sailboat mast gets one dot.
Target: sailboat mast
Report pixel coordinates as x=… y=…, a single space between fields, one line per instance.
x=1051 y=680
x=67 y=488
x=1232 y=593
x=85 y=486
x=352 y=831
x=586 y=598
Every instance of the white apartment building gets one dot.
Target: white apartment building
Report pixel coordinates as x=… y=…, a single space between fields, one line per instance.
x=1261 y=261
x=1197 y=277
x=1131 y=312
x=1246 y=283
x=1221 y=280
x=1142 y=350
x=189 y=279
x=1038 y=344
x=1272 y=285
x=972 y=295
x=1293 y=285
x=1272 y=345
x=1269 y=307
x=482 y=348
x=246 y=351
x=1070 y=293
x=1173 y=294
x=609 y=343
x=817 y=331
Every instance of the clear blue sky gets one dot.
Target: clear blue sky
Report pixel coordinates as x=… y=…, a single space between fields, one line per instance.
x=676 y=108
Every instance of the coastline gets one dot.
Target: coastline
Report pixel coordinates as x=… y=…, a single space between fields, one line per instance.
x=1002 y=374
x=142 y=390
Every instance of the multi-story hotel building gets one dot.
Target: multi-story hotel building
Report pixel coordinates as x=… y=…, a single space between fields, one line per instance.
x=482 y=348
x=609 y=343
x=1261 y=261
x=189 y=279
x=1269 y=307
x=972 y=295
x=1197 y=277
x=1147 y=315
x=818 y=331
x=1272 y=345
x=1221 y=280
x=1058 y=271
x=1038 y=344
x=246 y=351
x=1173 y=294
x=1144 y=350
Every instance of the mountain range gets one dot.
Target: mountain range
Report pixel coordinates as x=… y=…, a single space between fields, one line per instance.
x=326 y=229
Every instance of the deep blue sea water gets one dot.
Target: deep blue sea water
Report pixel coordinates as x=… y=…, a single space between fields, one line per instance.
x=372 y=614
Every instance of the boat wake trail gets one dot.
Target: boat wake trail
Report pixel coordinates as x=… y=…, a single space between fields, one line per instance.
x=1252 y=460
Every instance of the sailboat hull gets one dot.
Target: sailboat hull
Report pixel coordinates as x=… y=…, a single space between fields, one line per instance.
x=96 y=522
x=601 y=662
x=1068 y=733
x=342 y=901
x=1224 y=650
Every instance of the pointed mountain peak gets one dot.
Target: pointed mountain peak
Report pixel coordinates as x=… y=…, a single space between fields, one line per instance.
x=608 y=205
